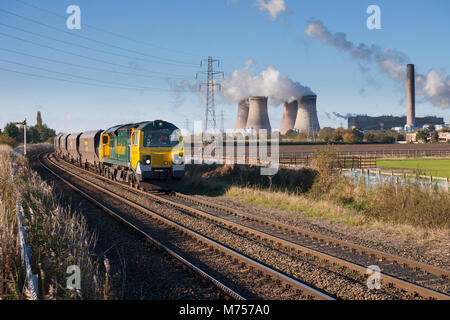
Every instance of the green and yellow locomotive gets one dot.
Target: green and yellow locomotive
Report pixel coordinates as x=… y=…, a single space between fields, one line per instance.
x=130 y=153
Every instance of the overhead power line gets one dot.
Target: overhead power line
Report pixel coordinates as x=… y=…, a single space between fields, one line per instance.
x=89 y=48
x=65 y=80
x=83 y=77
x=167 y=61
x=86 y=57
x=87 y=67
x=109 y=32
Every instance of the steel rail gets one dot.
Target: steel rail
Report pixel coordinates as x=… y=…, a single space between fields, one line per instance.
x=380 y=254
x=310 y=292
x=444 y=273
x=158 y=244
x=390 y=280
x=387 y=280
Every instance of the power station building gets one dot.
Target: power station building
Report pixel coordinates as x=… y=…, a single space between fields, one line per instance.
x=258 y=117
x=289 y=116
x=299 y=115
x=388 y=122
x=307 y=120
x=368 y=123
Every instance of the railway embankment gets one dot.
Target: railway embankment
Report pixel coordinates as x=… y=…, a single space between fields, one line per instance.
x=405 y=218
x=59 y=241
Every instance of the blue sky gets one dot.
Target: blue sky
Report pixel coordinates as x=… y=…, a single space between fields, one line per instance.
x=182 y=33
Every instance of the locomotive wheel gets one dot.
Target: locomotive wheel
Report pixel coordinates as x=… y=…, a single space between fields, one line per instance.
x=130 y=179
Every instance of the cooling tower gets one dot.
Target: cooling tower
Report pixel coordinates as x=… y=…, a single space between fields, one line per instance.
x=289 y=116
x=241 y=121
x=258 y=117
x=410 y=96
x=307 y=119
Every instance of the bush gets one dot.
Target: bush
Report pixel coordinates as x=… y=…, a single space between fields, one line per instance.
x=349 y=137
x=324 y=163
x=411 y=204
x=388 y=139
x=216 y=179
x=4 y=139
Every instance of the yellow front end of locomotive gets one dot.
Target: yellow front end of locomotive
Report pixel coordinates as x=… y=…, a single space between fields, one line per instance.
x=150 y=158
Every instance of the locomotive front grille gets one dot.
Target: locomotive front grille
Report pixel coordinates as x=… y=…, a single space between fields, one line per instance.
x=161 y=159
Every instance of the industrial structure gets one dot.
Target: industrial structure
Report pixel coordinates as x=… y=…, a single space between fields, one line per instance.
x=368 y=123
x=210 y=84
x=242 y=115
x=299 y=115
x=289 y=116
x=258 y=117
x=410 y=96
x=409 y=122
x=307 y=120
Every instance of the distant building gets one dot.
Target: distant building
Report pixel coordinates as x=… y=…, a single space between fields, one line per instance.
x=411 y=137
x=368 y=123
x=443 y=137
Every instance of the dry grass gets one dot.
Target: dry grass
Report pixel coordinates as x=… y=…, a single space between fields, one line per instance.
x=11 y=275
x=57 y=237
x=216 y=179
x=322 y=193
x=298 y=205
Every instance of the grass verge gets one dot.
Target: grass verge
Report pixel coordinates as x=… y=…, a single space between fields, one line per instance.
x=58 y=238
x=321 y=193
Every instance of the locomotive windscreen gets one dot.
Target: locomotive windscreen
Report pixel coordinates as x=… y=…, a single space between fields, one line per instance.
x=161 y=138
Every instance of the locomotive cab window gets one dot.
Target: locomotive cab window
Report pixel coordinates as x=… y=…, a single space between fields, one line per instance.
x=105 y=140
x=135 y=139
x=161 y=138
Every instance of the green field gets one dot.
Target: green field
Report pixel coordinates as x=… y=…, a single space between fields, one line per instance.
x=434 y=167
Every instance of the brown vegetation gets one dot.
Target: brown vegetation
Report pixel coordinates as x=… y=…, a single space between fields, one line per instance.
x=321 y=192
x=215 y=179
x=58 y=238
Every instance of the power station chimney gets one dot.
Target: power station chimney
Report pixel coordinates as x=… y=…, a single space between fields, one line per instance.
x=307 y=119
x=258 y=117
x=410 y=96
x=242 y=116
x=289 y=116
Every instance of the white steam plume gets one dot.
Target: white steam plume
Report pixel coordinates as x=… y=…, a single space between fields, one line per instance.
x=434 y=87
x=273 y=7
x=269 y=83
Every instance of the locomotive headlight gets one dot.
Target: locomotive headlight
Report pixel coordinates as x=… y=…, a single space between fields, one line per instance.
x=146 y=160
x=177 y=158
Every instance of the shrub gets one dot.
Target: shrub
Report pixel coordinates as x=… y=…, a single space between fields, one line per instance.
x=215 y=179
x=7 y=140
x=324 y=163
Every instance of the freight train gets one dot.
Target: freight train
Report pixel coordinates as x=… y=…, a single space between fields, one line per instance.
x=130 y=153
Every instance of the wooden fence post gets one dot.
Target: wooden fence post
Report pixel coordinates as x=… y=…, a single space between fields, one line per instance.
x=397 y=186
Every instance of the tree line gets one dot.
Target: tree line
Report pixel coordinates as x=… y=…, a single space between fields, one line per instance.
x=13 y=135
x=355 y=135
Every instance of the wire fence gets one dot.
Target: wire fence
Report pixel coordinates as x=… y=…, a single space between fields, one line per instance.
x=398 y=153
x=342 y=161
x=376 y=177
x=31 y=279
x=289 y=160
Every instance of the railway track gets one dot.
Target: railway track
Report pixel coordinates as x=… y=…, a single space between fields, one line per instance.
x=403 y=274
x=260 y=274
